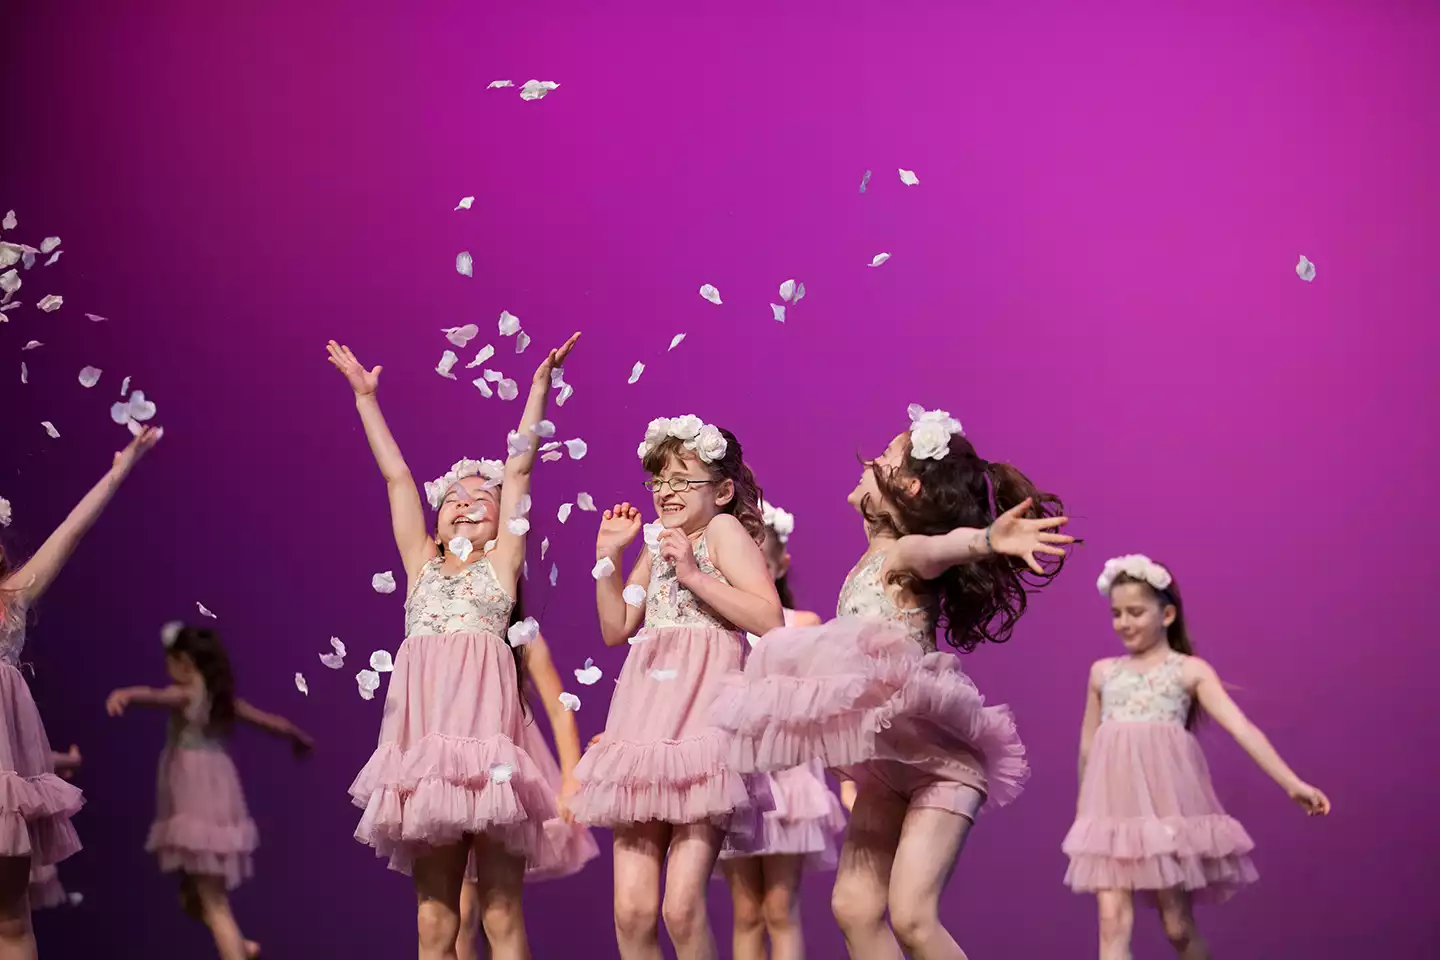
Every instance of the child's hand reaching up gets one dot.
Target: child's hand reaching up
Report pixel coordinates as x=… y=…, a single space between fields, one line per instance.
x=618 y=529
x=1016 y=535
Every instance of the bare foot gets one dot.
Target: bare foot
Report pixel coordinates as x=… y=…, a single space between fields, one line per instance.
x=252 y=950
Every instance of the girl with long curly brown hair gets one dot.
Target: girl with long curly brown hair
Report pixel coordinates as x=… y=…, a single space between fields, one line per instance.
x=952 y=549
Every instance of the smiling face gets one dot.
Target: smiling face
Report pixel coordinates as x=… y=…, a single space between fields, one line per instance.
x=469 y=510
x=1139 y=616
x=690 y=510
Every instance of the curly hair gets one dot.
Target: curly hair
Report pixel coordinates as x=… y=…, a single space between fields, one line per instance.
x=745 y=504
x=202 y=645
x=978 y=602
x=1177 y=634
x=12 y=599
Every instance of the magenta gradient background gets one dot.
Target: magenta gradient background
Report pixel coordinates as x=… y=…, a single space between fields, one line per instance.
x=1095 y=275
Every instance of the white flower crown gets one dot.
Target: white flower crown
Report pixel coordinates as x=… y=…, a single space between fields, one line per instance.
x=781 y=521
x=930 y=432
x=703 y=439
x=492 y=470
x=1136 y=566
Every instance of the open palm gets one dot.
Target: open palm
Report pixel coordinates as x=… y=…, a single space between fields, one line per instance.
x=1016 y=535
x=618 y=528
x=363 y=382
x=555 y=358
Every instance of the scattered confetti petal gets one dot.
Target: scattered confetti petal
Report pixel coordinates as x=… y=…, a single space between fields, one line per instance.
x=509 y=324
x=10 y=282
x=447 y=360
x=709 y=292
x=301 y=685
x=518 y=526
x=563 y=513
x=124 y=386
x=635 y=371
x=588 y=675
x=554 y=574
x=865 y=181
x=94 y=318
x=640 y=637
x=522 y=341
x=338 y=646
x=565 y=393
x=544 y=546
x=585 y=502
x=89 y=376
x=577 y=448
x=879 y=259
x=464 y=264
x=170 y=632
x=483 y=387
x=634 y=595
x=382 y=662
x=908 y=177
x=76 y=898
x=461 y=547
x=570 y=702
x=4 y=512
x=464 y=203
x=675 y=341
x=383 y=582
x=9 y=222
x=497 y=84
x=516 y=443
x=54 y=257
x=501 y=773
x=24 y=372
x=48 y=244
x=603 y=568
x=32 y=345
x=494 y=376
x=50 y=429
x=461 y=335
x=536 y=89
x=486 y=352
x=651 y=532
x=800 y=293
x=368 y=682
x=550 y=456
x=662 y=674
x=787 y=290
x=507 y=389
x=51 y=303
x=204 y=612
x=523 y=632
x=489 y=545
x=1305 y=270
x=779 y=310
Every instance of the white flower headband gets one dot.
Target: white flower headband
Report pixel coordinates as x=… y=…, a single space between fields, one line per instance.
x=703 y=439
x=781 y=521
x=1136 y=566
x=492 y=470
x=930 y=432
x=170 y=633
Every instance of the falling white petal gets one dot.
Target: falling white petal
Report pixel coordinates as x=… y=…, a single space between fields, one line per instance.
x=563 y=513
x=338 y=646
x=787 y=290
x=709 y=292
x=31 y=345
x=135 y=427
x=544 y=546
x=497 y=84
x=800 y=293
x=635 y=371
x=651 y=532
x=301 y=685
x=589 y=674
x=24 y=373
x=483 y=387
x=94 y=318
x=494 y=376
x=585 y=502
x=501 y=773
x=536 y=89
x=675 y=341
x=204 y=612
x=368 y=681
x=461 y=548
x=9 y=222
x=544 y=428
x=879 y=259
x=865 y=181
x=570 y=702
x=778 y=309
x=523 y=632
x=1305 y=270
x=461 y=335
x=662 y=674
x=89 y=376
x=464 y=264
x=507 y=389
x=486 y=352
x=54 y=257
x=383 y=582
x=554 y=574
x=464 y=203
x=518 y=526
x=577 y=448
x=634 y=595
x=332 y=660
x=524 y=507
x=489 y=545
x=4 y=512
x=565 y=392
x=50 y=429
x=509 y=324
x=908 y=177
x=522 y=341
x=51 y=303
x=381 y=661
x=10 y=282
x=603 y=568
x=48 y=244
x=550 y=456
x=447 y=360
x=516 y=443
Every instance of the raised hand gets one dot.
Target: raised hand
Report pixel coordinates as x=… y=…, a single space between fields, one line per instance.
x=363 y=382
x=116 y=703
x=618 y=529
x=1310 y=799
x=555 y=358
x=568 y=789
x=1016 y=535
x=140 y=445
x=301 y=743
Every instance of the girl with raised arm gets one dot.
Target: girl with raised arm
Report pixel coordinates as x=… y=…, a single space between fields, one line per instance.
x=202 y=829
x=35 y=804
x=451 y=776
x=659 y=776
x=1148 y=820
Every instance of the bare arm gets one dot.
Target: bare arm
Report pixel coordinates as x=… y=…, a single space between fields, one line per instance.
x=748 y=600
x=1215 y=701
x=171 y=697
x=543 y=674
x=271 y=723
x=36 y=575
x=1012 y=534
x=1091 y=723
x=848 y=793
x=618 y=620
x=805 y=618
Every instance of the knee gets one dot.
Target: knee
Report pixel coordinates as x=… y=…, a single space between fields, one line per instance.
x=14 y=922
x=436 y=925
x=503 y=920
x=1179 y=928
x=1115 y=921
x=684 y=915
x=779 y=908
x=856 y=908
x=637 y=915
x=914 y=922
x=469 y=918
x=749 y=913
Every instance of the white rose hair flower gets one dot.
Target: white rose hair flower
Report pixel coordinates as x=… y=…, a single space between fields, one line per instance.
x=930 y=432
x=1136 y=566
x=703 y=439
x=781 y=521
x=492 y=470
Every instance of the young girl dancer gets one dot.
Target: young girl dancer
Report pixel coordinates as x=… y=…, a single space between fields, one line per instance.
x=659 y=774
x=35 y=805
x=799 y=819
x=450 y=775
x=45 y=888
x=1148 y=819
x=868 y=692
x=202 y=829
x=574 y=846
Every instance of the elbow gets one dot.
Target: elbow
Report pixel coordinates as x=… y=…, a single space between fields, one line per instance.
x=398 y=476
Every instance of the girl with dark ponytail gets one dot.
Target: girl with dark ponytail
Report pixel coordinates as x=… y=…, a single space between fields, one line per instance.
x=202 y=829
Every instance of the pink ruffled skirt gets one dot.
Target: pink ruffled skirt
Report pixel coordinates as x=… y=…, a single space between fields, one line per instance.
x=791 y=812
x=661 y=756
x=35 y=804
x=869 y=702
x=202 y=827
x=450 y=765
x=1148 y=818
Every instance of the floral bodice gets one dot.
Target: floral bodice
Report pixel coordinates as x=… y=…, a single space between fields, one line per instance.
x=12 y=632
x=472 y=601
x=667 y=604
x=864 y=596
x=189 y=728
x=1156 y=696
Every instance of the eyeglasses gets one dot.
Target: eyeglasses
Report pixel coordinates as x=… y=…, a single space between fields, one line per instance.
x=676 y=484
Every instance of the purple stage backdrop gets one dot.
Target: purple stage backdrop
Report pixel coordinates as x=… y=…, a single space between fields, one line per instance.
x=1095 y=274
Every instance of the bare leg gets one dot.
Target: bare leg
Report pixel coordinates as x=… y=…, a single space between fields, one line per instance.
x=747 y=896
x=190 y=904
x=17 y=937
x=694 y=847
x=862 y=880
x=468 y=945
x=782 y=906
x=438 y=877
x=1179 y=921
x=1117 y=921
x=639 y=858
x=502 y=877
x=930 y=844
x=215 y=908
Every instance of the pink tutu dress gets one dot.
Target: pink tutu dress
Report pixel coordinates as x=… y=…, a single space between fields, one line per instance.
x=35 y=804
x=868 y=696
x=1148 y=818
x=791 y=812
x=450 y=764
x=202 y=827
x=661 y=758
